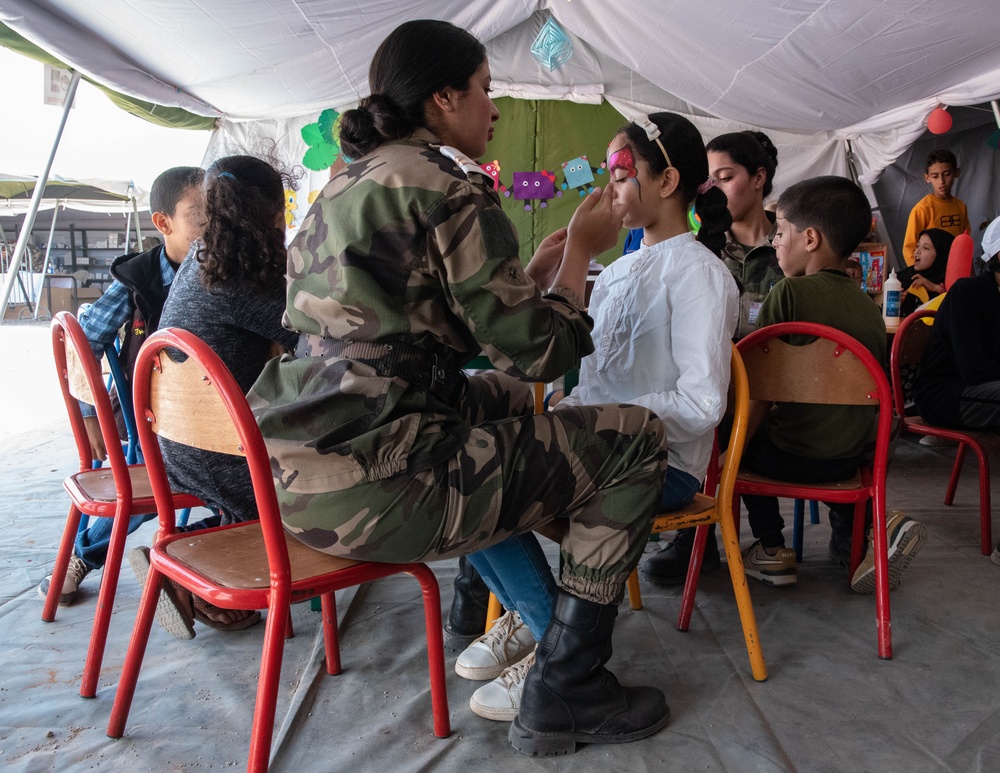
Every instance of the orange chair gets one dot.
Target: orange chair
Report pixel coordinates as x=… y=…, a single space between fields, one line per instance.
x=704 y=510
x=908 y=348
x=250 y=565
x=118 y=491
x=833 y=369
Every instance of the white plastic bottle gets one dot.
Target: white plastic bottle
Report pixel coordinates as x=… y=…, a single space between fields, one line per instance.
x=892 y=290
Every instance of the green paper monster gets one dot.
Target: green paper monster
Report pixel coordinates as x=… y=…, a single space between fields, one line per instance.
x=321 y=137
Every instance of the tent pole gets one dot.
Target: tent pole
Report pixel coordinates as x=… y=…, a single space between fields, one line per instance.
x=996 y=110
x=36 y=199
x=138 y=226
x=45 y=263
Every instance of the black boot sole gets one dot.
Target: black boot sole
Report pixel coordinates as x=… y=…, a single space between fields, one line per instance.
x=536 y=744
x=708 y=564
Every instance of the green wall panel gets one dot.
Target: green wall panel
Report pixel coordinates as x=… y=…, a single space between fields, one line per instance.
x=536 y=135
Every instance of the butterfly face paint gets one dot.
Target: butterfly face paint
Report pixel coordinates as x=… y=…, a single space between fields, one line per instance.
x=623 y=160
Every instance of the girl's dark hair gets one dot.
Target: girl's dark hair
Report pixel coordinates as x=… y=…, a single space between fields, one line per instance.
x=941 y=240
x=243 y=243
x=418 y=59
x=750 y=149
x=687 y=154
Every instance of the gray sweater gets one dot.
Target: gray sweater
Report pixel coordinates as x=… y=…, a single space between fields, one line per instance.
x=239 y=326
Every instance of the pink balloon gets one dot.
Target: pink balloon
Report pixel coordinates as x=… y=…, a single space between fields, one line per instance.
x=939 y=121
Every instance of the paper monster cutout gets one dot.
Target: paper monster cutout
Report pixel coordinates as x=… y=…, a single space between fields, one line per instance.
x=580 y=174
x=534 y=186
x=493 y=170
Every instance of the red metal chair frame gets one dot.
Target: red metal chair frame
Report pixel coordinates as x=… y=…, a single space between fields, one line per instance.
x=118 y=491
x=821 y=362
x=307 y=573
x=965 y=438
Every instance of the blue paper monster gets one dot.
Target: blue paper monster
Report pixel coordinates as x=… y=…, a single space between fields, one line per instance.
x=580 y=174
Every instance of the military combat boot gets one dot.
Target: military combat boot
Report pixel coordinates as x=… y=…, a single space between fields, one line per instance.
x=569 y=696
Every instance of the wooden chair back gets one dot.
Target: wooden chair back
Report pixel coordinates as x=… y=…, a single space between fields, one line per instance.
x=80 y=379
x=823 y=371
x=194 y=400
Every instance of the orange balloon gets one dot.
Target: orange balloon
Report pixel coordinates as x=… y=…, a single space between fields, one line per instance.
x=939 y=121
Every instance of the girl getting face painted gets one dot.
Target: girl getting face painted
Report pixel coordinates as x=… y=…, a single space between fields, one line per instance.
x=657 y=168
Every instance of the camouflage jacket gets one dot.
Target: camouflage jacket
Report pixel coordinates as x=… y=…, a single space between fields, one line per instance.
x=756 y=271
x=406 y=252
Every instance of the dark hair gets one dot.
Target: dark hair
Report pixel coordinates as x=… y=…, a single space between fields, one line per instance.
x=751 y=150
x=418 y=58
x=687 y=154
x=834 y=206
x=942 y=247
x=940 y=157
x=170 y=186
x=242 y=244
x=993 y=264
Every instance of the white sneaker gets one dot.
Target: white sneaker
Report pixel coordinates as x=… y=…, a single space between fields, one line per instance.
x=501 y=698
x=504 y=644
x=995 y=558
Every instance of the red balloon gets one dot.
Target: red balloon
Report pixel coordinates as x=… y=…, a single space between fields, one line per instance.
x=939 y=121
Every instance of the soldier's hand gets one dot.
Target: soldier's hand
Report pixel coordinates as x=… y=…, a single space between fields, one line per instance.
x=547 y=258
x=595 y=225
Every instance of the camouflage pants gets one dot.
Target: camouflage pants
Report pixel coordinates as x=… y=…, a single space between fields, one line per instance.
x=599 y=467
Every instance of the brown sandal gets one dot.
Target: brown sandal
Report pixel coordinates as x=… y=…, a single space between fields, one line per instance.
x=203 y=612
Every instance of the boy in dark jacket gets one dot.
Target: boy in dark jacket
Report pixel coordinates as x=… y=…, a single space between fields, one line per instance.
x=134 y=300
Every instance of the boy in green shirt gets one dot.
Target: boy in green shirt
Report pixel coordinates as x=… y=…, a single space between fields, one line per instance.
x=819 y=223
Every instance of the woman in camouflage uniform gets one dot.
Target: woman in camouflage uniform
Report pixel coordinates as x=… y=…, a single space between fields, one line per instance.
x=404 y=269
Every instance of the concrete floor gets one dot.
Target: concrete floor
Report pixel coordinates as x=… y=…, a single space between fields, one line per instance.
x=830 y=703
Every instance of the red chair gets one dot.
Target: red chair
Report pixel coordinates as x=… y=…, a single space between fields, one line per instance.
x=908 y=348
x=118 y=491
x=833 y=369
x=251 y=565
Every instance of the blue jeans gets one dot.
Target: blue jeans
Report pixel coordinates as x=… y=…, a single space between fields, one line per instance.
x=92 y=543
x=518 y=573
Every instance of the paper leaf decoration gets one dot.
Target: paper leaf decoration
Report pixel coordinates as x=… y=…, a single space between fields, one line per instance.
x=323 y=142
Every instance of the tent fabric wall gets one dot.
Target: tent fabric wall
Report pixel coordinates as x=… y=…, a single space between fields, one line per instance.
x=855 y=70
x=978 y=186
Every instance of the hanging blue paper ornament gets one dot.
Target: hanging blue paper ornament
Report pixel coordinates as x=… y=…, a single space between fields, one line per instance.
x=552 y=47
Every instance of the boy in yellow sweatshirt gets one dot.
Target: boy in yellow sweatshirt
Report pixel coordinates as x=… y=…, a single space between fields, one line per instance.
x=938 y=209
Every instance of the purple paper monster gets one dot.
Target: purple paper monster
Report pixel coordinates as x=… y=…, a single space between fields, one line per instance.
x=531 y=186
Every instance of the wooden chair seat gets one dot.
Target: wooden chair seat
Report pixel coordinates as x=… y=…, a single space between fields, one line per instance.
x=988 y=439
x=99 y=485
x=235 y=557
x=747 y=479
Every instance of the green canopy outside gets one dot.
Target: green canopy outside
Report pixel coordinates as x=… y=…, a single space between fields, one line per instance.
x=20 y=188
x=173 y=117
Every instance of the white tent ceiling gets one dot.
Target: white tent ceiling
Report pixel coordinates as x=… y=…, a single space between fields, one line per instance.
x=817 y=71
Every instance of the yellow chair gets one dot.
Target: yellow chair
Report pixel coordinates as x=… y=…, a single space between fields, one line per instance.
x=704 y=510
